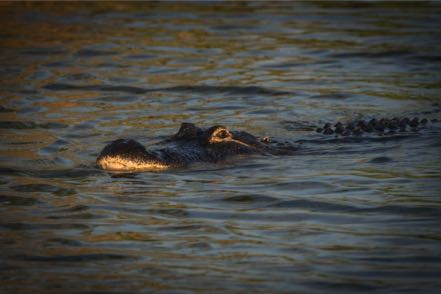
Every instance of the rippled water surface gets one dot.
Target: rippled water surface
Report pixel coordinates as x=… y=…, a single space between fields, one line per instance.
x=343 y=215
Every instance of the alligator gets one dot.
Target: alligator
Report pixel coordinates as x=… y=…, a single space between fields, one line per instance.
x=190 y=144
x=215 y=144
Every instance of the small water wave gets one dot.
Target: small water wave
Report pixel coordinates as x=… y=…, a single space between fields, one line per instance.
x=312 y=205
x=50 y=173
x=63 y=242
x=250 y=199
x=34 y=188
x=78 y=216
x=76 y=208
x=5 y=109
x=94 y=53
x=421 y=211
x=17 y=200
x=427 y=58
x=193 y=229
x=57 y=146
x=91 y=257
x=381 y=159
x=19 y=125
x=70 y=87
x=43 y=51
x=55 y=190
x=4 y=171
x=336 y=96
x=345 y=286
x=373 y=55
x=76 y=212
x=316 y=186
x=232 y=90
x=270 y=215
x=33 y=226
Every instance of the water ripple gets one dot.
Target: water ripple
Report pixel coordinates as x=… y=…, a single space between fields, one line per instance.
x=72 y=258
x=232 y=90
x=353 y=214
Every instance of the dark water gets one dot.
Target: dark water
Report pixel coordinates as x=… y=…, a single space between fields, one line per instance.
x=353 y=215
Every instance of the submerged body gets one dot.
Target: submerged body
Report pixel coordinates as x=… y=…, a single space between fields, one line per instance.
x=189 y=145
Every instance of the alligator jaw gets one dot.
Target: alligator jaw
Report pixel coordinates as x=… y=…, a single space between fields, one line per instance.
x=118 y=163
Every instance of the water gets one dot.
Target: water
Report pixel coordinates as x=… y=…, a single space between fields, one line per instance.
x=341 y=216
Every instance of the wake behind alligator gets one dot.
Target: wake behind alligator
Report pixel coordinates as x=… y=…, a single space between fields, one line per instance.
x=193 y=144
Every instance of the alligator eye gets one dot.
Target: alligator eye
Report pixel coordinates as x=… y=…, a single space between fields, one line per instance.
x=217 y=134
x=223 y=134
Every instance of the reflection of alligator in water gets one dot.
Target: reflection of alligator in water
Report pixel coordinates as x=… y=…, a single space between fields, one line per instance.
x=193 y=144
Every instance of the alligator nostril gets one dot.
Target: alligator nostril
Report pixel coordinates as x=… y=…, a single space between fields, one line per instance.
x=265 y=139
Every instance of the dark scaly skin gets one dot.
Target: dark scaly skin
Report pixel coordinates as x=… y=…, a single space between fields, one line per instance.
x=193 y=144
x=378 y=126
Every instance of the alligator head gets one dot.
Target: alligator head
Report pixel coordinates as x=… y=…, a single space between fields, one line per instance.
x=190 y=144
